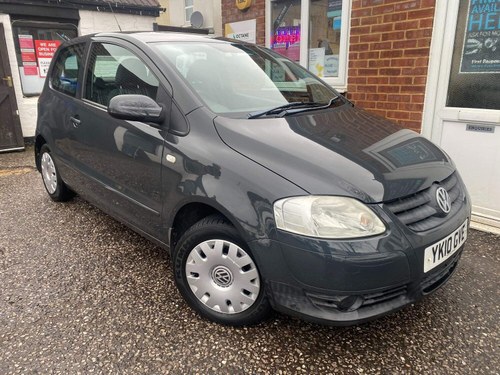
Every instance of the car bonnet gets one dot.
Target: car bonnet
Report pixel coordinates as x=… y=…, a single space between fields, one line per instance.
x=340 y=151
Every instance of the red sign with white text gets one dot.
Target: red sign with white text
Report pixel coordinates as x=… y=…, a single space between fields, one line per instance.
x=45 y=50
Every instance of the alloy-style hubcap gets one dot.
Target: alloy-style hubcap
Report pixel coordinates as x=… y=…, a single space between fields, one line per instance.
x=222 y=276
x=49 y=173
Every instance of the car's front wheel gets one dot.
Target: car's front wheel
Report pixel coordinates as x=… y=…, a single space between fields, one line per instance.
x=217 y=275
x=55 y=186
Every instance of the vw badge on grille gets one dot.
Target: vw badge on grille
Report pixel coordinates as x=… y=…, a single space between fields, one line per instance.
x=443 y=200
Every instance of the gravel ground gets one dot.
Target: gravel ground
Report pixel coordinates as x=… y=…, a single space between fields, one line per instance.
x=81 y=293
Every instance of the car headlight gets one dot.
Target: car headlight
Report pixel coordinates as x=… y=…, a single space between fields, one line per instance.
x=327 y=217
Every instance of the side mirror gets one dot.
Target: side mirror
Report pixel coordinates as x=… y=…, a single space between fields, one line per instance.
x=136 y=108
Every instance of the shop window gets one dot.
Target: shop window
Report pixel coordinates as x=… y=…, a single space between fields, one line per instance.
x=475 y=70
x=35 y=43
x=188 y=9
x=321 y=45
x=66 y=70
x=114 y=70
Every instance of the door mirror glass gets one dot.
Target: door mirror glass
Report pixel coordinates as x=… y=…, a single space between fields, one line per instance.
x=135 y=108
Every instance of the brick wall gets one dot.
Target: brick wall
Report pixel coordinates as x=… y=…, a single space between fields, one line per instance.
x=388 y=57
x=230 y=13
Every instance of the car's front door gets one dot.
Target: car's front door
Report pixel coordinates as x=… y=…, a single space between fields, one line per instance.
x=122 y=159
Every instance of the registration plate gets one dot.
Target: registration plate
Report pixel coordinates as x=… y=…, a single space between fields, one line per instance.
x=442 y=250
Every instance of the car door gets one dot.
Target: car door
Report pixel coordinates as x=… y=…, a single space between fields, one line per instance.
x=57 y=104
x=121 y=160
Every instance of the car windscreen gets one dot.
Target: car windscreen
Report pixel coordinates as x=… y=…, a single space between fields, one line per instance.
x=234 y=78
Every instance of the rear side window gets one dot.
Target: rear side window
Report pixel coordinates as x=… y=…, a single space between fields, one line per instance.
x=64 y=77
x=114 y=70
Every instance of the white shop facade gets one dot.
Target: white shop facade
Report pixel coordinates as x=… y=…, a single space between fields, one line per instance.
x=29 y=35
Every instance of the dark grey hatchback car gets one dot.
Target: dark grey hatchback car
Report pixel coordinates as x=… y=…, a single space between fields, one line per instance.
x=270 y=189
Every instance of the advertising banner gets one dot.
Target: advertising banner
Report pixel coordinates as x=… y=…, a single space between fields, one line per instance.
x=45 y=50
x=244 y=30
x=481 y=46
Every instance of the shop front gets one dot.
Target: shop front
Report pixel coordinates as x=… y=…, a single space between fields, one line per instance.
x=31 y=32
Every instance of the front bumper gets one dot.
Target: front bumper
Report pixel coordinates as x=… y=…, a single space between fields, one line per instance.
x=350 y=282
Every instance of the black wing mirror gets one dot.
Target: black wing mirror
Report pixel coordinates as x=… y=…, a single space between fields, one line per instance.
x=136 y=108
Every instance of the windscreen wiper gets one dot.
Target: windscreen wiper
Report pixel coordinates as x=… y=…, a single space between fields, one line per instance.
x=281 y=110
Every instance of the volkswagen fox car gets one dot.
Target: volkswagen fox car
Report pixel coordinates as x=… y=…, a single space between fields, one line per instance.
x=270 y=190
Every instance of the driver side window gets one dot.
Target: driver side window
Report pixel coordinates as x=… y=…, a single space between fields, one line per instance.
x=64 y=77
x=114 y=70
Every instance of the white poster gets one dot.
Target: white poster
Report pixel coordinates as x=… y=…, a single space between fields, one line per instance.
x=243 y=30
x=331 y=65
x=317 y=61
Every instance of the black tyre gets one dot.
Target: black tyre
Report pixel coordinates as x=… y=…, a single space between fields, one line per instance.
x=55 y=186
x=217 y=275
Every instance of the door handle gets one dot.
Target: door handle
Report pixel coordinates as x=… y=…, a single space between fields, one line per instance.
x=8 y=80
x=75 y=121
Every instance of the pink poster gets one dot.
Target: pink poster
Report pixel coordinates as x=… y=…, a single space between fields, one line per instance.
x=25 y=41
x=28 y=56
x=30 y=70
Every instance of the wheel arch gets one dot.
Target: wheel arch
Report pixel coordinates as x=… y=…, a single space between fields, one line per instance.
x=189 y=213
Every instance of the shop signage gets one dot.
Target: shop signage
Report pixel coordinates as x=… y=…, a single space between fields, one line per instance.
x=287 y=35
x=334 y=5
x=45 y=50
x=481 y=128
x=243 y=4
x=28 y=57
x=481 y=47
x=286 y=41
x=243 y=30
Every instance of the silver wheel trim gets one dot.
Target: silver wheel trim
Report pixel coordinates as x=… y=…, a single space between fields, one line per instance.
x=49 y=173
x=222 y=276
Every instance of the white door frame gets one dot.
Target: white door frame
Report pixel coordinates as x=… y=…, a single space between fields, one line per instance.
x=435 y=110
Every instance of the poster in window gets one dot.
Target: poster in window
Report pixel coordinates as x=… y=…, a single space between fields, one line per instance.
x=481 y=48
x=317 y=61
x=28 y=56
x=25 y=41
x=45 y=50
x=30 y=70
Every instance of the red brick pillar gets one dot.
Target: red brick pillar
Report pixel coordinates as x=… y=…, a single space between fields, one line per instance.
x=388 y=57
x=230 y=13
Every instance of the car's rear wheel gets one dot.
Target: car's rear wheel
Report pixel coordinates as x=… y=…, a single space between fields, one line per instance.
x=217 y=275
x=55 y=186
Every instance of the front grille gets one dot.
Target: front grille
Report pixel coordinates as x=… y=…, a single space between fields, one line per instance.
x=416 y=211
x=386 y=295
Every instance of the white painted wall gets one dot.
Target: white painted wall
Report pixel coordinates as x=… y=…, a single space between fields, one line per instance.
x=90 y=22
x=93 y=22
x=210 y=9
